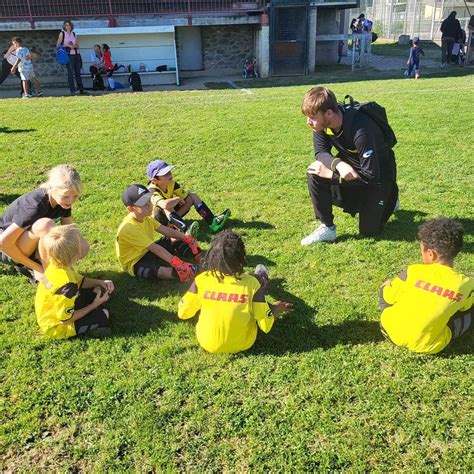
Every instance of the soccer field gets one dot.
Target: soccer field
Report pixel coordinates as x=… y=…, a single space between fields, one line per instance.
x=323 y=390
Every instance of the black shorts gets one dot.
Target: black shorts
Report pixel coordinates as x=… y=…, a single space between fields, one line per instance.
x=147 y=267
x=95 y=319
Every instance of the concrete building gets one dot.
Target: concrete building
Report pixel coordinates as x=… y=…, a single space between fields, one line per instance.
x=184 y=37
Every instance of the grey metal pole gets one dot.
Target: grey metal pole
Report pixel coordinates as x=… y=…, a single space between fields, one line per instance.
x=432 y=20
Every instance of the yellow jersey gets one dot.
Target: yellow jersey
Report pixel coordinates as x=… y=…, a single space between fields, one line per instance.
x=419 y=303
x=172 y=190
x=230 y=308
x=55 y=299
x=133 y=239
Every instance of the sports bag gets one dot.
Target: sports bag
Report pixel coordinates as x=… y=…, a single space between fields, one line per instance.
x=377 y=113
x=61 y=56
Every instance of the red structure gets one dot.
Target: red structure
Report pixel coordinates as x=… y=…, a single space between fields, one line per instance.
x=34 y=10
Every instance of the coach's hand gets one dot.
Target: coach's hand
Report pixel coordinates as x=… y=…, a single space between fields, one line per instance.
x=347 y=172
x=317 y=168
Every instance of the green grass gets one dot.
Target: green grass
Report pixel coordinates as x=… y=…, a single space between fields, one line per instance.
x=323 y=390
x=390 y=48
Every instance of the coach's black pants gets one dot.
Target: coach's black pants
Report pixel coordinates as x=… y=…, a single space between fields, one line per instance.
x=373 y=202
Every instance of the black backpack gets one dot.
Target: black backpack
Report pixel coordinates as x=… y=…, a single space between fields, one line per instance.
x=97 y=83
x=135 y=81
x=377 y=113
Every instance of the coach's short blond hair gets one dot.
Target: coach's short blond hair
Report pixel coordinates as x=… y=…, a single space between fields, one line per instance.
x=318 y=99
x=64 y=178
x=63 y=245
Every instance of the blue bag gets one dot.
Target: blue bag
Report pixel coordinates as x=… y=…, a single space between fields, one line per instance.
x=61 y=56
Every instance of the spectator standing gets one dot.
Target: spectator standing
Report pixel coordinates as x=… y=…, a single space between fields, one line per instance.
x=414 y=59
x=68 y=39
x=9 y=59
x=451 y=32
x=24 y=65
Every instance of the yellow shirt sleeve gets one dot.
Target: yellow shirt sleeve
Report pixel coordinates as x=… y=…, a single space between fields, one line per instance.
x=389 y=293
x=469 y=300
x=64 y=299
x=156 y=198
x=189 y=304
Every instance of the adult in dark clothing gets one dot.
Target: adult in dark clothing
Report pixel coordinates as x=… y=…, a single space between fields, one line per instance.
x=360 y=178
x=8 y=60
x=32 y=215
x=451 y=32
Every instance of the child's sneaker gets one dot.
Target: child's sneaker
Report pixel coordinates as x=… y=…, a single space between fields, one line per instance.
x=39 y=94
x=28 y=272
x=322 y=234
x=100 y=333
x=262 y=272
x=26 y=96
x=193 y=229
x=219 y=221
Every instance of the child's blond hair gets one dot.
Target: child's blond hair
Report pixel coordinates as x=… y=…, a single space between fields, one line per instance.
x=63 y=245
x=63 y=178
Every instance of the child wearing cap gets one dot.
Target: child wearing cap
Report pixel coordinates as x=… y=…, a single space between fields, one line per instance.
x=137 y=250
x=429 y=304
x=413 y=61
x=171 y=202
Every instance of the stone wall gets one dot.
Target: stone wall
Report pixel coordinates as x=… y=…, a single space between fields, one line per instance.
x=225 y=48
x=44 y=42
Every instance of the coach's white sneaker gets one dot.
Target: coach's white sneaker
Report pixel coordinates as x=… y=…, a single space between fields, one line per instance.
x=322 y=234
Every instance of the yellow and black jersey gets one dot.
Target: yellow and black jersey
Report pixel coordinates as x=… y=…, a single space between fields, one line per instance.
x=133 y=239
x=361 y=143
x=419 y=302
x=230 y=309
x=172 y=190
x=55 y=299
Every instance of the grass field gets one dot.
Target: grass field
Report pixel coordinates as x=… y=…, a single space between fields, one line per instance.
x=323 y=390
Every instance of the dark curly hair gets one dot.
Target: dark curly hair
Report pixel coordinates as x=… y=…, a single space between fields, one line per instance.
x=443 y=235
x=226 y=255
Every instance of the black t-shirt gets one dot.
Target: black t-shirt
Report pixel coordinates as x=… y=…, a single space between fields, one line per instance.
x=361 y=143
x=27 y=209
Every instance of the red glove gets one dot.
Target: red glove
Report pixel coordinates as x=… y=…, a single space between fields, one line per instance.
x=192 y=244
x=184 y=270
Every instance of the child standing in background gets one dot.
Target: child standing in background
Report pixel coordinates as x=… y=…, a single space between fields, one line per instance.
x=413 y=61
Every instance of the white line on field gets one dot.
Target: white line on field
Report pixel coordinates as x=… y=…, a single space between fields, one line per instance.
x=234 y=85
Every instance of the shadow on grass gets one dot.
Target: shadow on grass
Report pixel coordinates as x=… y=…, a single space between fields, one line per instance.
x=297 y=332
x=8 y=198
x=254 y=260
x=463 y=345
x=240 y=224
x=130 y=317
x=19 y=130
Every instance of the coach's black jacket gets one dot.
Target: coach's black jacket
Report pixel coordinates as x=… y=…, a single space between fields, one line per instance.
x=360 y=143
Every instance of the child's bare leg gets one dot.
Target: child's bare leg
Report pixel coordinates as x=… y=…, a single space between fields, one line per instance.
x=192 y=199
x=26 y=87
x=36 y=84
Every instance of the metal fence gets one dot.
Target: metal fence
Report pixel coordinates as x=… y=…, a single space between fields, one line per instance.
x=32 y=10
x=421 y=18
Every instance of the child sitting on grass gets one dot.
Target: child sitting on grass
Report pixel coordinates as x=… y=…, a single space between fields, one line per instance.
x=171 y=202
x=232 y=303
x=137 y=250
x=429 y=304
x=68 y=304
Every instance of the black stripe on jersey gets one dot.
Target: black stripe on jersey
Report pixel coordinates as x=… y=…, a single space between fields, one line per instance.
x=68 y=290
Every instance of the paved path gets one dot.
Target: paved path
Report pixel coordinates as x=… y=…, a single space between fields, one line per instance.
x=392 y=63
